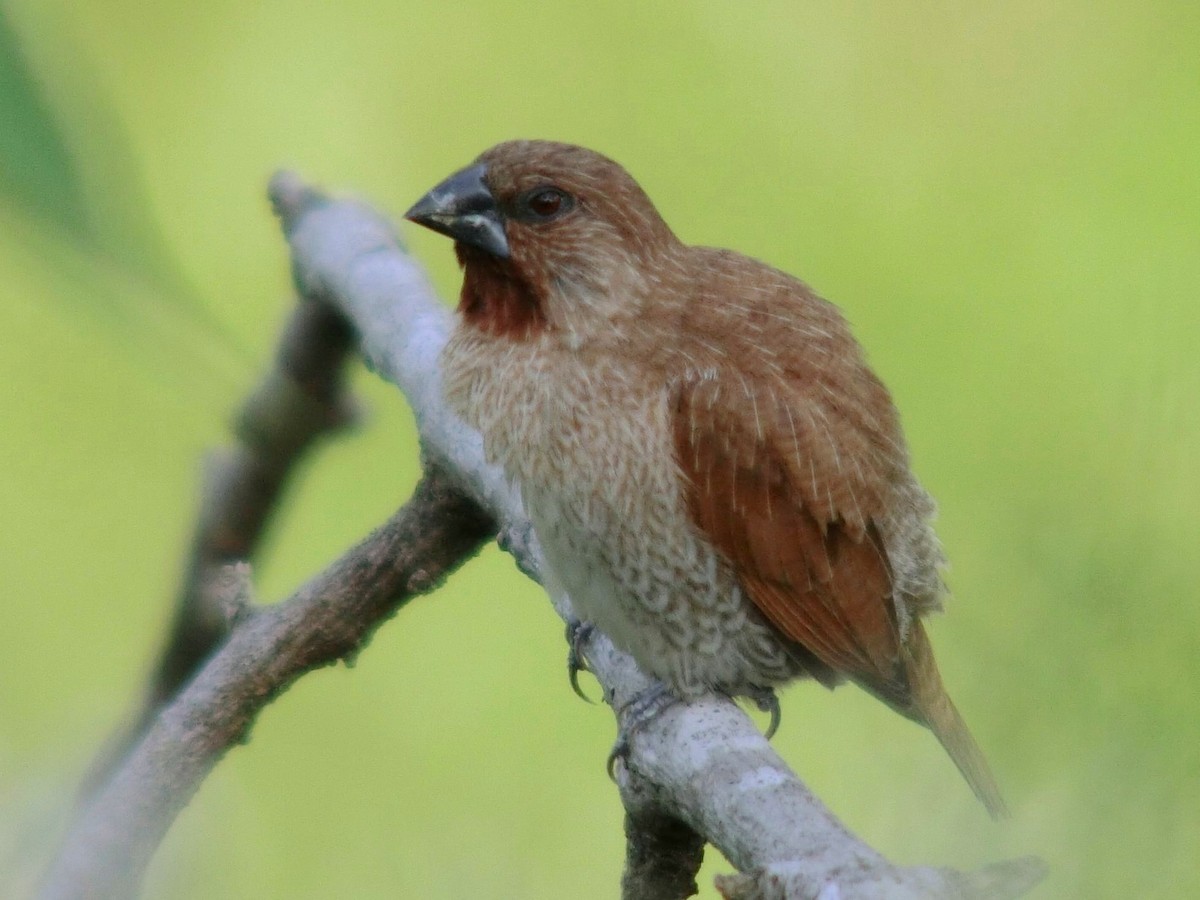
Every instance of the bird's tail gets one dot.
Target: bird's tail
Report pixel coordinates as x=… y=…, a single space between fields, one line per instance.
x=931 y=706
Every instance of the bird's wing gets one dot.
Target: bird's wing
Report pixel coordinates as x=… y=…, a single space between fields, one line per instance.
x=788 y=489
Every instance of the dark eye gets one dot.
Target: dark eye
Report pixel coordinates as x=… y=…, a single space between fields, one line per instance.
x=547 y=203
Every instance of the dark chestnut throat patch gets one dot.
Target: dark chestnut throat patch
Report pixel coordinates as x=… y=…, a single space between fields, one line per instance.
x=496 y=298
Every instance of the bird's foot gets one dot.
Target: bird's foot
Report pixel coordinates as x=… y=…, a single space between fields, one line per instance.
x=578 y=633
x=766 y=700
x=635 y=715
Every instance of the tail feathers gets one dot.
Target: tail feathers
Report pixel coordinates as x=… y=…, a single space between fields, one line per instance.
x=950 y=729
x=931 y=705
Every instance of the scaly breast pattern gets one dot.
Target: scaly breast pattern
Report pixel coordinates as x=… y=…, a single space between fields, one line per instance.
x=590 y=447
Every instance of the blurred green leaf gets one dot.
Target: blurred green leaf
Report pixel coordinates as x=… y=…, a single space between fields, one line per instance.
x=36 y=169
x=73 y=203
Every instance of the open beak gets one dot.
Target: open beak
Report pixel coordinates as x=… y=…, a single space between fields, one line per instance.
x=464 y=208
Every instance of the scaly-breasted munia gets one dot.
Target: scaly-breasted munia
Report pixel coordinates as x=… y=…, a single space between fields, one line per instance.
x=716 y=477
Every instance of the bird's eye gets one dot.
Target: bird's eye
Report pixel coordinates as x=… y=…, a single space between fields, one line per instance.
x=547 y=203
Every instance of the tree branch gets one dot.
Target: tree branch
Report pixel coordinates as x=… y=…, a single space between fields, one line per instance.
x=301 y=399
x=662 y=855
x=111 y=842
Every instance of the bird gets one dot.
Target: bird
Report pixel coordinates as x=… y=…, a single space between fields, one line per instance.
x=715 y=475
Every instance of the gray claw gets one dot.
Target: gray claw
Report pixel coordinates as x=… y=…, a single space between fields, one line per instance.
x=620 y=750
x=578 y=634
x=764 y=698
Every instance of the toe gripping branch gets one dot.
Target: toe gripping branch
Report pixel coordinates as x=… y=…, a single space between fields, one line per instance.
x=635 y=715
x=650 y=702
x=657 y=698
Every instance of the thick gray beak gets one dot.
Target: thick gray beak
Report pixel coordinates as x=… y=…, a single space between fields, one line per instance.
x=464 y=208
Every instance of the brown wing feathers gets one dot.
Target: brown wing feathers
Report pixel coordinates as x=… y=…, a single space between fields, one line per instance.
x=819 y=576
x=811 y=559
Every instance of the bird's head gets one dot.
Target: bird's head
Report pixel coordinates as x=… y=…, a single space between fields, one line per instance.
x=551 y=237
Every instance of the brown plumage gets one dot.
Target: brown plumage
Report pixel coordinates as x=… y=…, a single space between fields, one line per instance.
x=716 y=477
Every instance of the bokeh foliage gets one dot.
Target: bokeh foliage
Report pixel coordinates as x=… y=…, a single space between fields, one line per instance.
x=1005 y=198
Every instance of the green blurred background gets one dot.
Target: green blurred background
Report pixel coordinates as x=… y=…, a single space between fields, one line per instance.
x=1005 y=199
